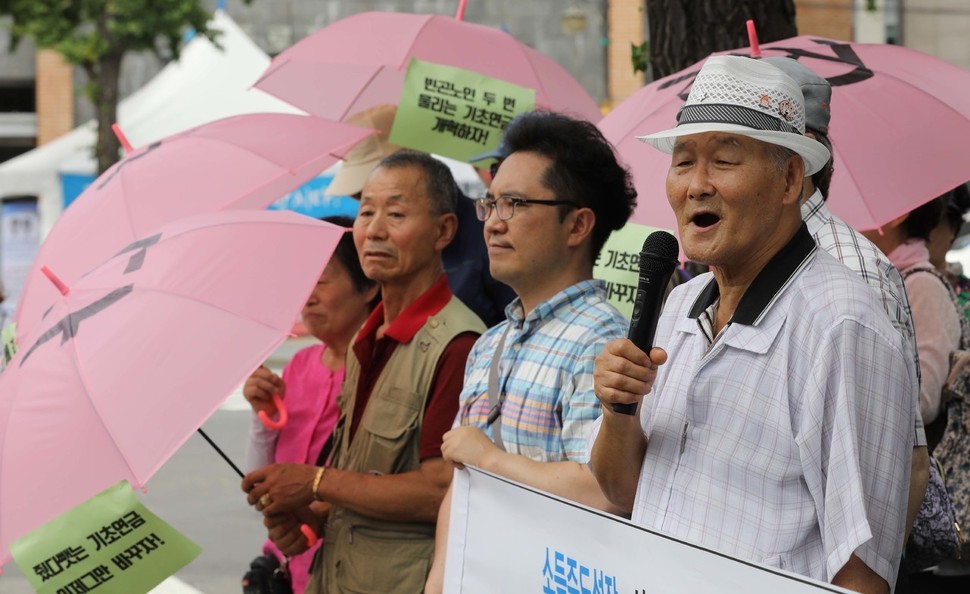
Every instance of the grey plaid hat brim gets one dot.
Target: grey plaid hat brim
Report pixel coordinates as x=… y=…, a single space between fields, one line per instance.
x=812 y=152
x=738 y=95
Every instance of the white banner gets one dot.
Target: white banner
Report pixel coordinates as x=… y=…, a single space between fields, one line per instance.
x=506 y=537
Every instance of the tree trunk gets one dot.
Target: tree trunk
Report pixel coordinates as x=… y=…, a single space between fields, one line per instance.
x=104 y=73
x=105 y=77
x=683 y=32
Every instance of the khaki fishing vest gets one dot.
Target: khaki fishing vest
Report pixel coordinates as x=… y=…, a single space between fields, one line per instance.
x=361 y=554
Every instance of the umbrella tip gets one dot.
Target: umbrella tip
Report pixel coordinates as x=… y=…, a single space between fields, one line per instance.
x=121 y=137
x=460 y=15
x=56 y=281
x=753 y=40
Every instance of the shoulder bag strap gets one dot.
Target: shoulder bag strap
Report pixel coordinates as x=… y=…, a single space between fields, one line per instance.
x=495 y=399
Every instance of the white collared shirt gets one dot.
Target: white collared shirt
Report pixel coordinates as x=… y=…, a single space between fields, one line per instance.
x=778 y=444
x=861 y=256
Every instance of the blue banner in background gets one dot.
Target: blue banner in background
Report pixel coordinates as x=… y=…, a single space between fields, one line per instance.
x=72 y=184
x=309 y=199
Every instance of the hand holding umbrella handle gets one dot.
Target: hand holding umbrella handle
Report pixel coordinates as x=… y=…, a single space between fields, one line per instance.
x=284 y=416
x=311 y=536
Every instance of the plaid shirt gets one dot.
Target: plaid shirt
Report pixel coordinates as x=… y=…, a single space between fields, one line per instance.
x=851 y=248
x=767 y=445
x=545 y=372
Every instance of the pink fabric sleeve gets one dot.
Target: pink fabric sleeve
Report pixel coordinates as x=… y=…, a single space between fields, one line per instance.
x=937 y=335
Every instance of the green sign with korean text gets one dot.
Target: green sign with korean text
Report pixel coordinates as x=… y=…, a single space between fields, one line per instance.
x=454 y=112
x=110 y=543
x=619 y=265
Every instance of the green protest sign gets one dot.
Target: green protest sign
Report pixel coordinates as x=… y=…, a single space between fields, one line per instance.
x=110 y=543
x=453 y=112
x=619 y=265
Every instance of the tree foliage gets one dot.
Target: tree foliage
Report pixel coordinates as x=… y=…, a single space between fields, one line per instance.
x=640 y=56
x=96 y=34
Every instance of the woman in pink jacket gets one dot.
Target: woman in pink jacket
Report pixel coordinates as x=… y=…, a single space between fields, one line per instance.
x=335 y=310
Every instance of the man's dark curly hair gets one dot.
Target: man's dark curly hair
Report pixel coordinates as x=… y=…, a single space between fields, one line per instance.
x=584 y=168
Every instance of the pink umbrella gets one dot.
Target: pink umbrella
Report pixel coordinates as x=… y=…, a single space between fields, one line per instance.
x=241 y=162
x=360 y=61
x=141 y=350
x=900 y=128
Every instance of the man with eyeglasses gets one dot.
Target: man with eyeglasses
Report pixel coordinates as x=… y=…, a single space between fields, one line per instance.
x=528 y=403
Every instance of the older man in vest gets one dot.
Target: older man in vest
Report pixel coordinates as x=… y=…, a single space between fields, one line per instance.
x=386 y=476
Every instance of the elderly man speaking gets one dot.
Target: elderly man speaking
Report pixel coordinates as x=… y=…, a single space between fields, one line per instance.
x=767 y=431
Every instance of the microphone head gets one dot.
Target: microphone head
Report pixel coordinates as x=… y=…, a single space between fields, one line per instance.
x=659 y=253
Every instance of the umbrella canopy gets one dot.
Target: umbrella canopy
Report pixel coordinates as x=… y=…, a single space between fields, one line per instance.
x=141 y=350
x=242 y=162
x=360 y=62
x=900 y=128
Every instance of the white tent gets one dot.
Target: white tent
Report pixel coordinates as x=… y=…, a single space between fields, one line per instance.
x=206 y=84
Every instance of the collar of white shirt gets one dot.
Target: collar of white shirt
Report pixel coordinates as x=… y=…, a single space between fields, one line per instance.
x=767 y=286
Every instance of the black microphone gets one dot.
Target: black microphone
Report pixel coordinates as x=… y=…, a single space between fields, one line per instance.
x=658 y=258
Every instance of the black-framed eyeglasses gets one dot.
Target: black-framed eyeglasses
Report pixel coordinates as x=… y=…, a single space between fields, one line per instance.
x=505 y=206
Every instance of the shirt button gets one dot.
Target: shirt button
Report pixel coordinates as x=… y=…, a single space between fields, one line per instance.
x=434 y=323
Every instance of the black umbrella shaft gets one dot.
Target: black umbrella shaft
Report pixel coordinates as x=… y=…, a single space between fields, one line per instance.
x=221 y=453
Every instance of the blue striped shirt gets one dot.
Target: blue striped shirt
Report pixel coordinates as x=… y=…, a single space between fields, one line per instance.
x=545 y=372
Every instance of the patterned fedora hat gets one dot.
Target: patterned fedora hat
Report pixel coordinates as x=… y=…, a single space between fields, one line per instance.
x=753 y=98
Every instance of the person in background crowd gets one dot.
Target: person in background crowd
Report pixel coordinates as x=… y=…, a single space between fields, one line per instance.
x=941 y=240
x=952 y=427
x=904 y=241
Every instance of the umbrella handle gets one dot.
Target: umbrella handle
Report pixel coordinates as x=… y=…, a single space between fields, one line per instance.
x=284 y=416
x=311 y=536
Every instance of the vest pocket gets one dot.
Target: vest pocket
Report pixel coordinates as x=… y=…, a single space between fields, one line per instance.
x=383 y=561
x=391 y=423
